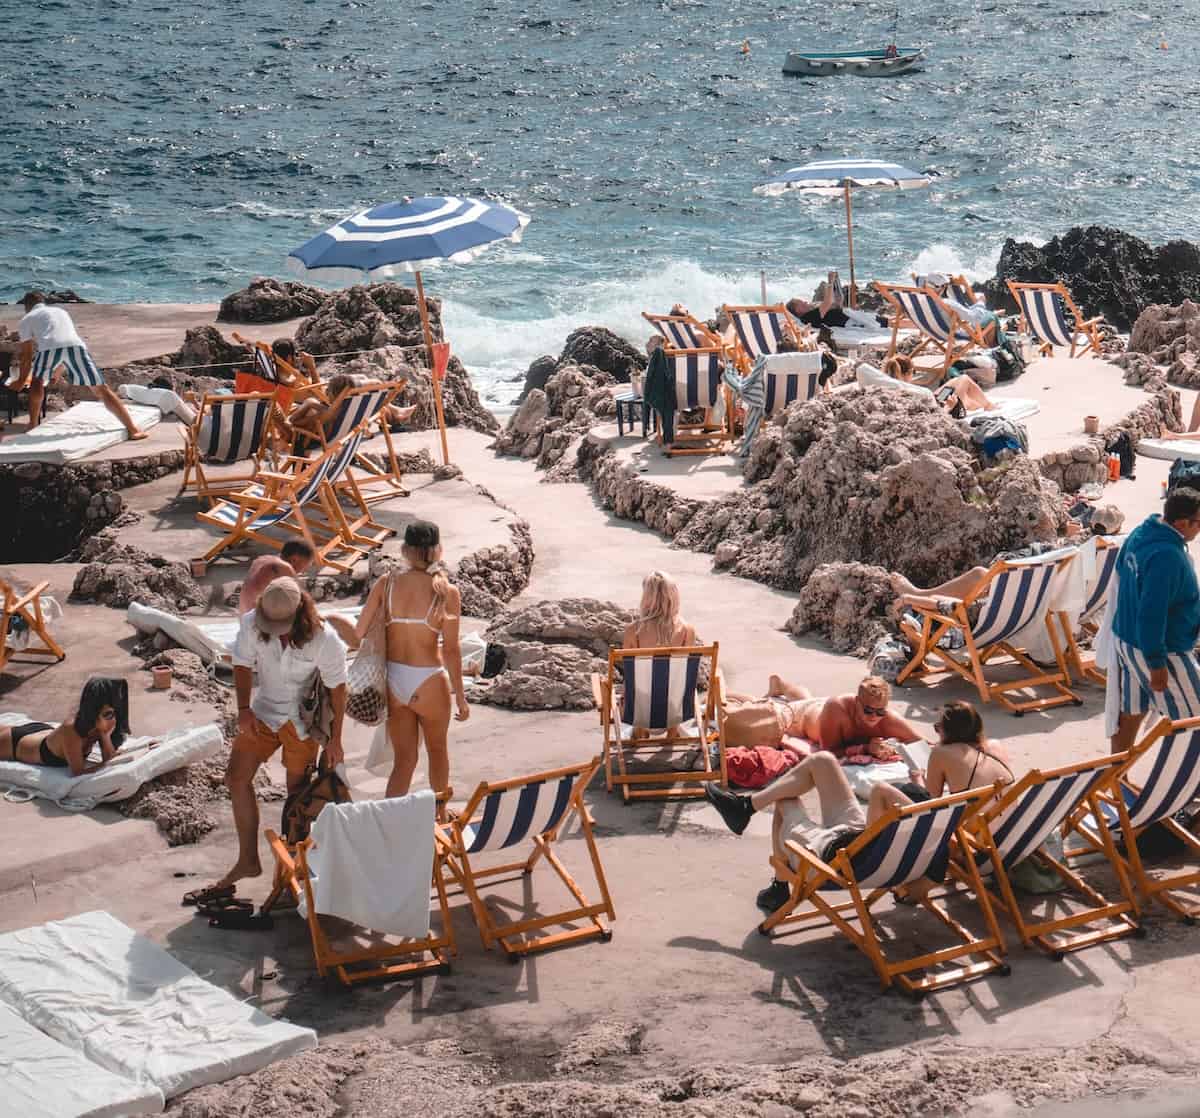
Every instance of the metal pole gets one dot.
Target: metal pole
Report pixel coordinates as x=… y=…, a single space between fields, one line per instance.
x=763 y=278
x=437 y=384
x=850 y=242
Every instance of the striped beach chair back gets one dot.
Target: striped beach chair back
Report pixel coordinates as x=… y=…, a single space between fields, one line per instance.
x=1029 y=815
x=355 y=408
x=236 y=425
x=961 y=290
x=788 y=377
x=1045 y=311
x=1173 y=781
x=925 y=310
x=697 y=377
x=760 y=330
x=1017 y=596
x=509 y=815
x=660 y=690
x=915 y=845
x=679 y=331
x=1096 y=593
x=264 y=364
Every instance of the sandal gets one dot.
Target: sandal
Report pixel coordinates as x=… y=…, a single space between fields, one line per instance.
x=208 y=894
x=219 y=905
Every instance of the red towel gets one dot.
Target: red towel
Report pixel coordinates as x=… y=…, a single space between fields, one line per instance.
x=756 y=768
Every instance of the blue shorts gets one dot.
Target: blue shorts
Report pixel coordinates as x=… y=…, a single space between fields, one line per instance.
x=81 y=369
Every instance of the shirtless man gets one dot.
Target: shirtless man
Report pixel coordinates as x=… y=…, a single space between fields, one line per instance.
x=293 y=560
x=791 y=710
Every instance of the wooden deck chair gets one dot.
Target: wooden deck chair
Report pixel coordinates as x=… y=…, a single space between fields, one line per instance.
x=776 y=381
x=19 y=611
x=360 y=408
x=1044 y=308
x=759 y=328
x=1014 y=826
x=655 y=689
x=300 y=501
x=228 y=429
x=371 y=955
x=1127 y=809
x=961 y=289
x=1011 y=596
x=942 y=329
x=699 y=384
x=903 y=845
x=1095 y=601
x=682 y=331
x=530 y=812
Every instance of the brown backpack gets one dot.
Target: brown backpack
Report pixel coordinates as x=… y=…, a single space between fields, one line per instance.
x=321 y=786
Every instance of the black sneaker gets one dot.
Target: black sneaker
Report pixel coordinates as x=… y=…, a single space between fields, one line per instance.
x=735 y=810
x=774 y=896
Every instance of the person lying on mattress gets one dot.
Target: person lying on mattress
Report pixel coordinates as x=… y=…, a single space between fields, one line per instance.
x=790 y=710
x=958 y=395
x=960 y=759
x=102 y=719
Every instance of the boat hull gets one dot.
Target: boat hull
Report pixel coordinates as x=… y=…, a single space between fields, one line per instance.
x=862 y=64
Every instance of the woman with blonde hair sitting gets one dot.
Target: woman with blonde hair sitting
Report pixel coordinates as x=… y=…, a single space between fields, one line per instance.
x=659 y=624
x=424 y=661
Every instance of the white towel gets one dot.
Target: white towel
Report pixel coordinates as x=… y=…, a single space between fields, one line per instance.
x=371 y=863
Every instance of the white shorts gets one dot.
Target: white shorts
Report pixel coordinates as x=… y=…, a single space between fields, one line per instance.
x=81 y=369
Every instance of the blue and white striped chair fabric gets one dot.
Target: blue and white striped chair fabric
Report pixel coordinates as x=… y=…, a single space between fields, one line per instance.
x=1173 y=782
x=264 y=364
x=925 y=311
x=1106 y=565
x=962 y=293
x=327 y=470
x=1016 y=598
x=235 y=428
x=759 y=331
x=679 y=333
x=1046 y=315
x=913 y=846
x=1028 y=821
x=697 y=378
x=354 y=411
x=764 y=393
x=659 y=691
x=509 y=816
x=782 y=389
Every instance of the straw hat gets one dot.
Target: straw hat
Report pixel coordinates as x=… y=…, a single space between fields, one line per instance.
x=277 y=606
x=1107 y=519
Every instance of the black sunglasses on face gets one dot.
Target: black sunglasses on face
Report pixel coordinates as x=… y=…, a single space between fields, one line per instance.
x=873 y=712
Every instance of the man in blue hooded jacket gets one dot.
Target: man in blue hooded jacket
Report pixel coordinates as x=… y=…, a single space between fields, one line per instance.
x=1158 y=618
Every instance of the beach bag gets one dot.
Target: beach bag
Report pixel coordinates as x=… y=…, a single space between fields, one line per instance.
x=1183 y=475
x=888 y=658
x=1122 y=447
x=322 y=785
x=366 y=677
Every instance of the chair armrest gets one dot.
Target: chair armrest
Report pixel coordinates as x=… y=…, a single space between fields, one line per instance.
x=599 y=691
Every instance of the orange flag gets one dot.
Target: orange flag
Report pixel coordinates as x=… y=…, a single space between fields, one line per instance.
x=441 y=358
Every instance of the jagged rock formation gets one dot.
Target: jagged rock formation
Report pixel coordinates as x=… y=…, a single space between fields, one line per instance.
x=849 y=604
x=116 y=574
x=551 y=649
x=857 y=476
x=206 y=351
x=270 y=300
x=368 y=317
x=1107 y=271
x=1166 y=336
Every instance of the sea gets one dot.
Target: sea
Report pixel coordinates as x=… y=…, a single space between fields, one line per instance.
x=160 y=152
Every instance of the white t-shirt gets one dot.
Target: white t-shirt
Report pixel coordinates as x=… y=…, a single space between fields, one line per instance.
x=49 y=328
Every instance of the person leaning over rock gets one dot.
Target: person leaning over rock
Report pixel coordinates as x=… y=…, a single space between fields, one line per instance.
x=293 y=560
x=50 y=344
x=283 y=642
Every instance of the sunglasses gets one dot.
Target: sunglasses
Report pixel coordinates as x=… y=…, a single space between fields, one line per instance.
x=873 y=712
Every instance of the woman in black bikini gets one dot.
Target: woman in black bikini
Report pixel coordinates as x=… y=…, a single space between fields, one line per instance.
x=102 y=719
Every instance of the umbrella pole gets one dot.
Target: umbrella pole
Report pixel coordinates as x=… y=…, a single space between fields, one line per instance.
x=437 y=384
x=850 y=242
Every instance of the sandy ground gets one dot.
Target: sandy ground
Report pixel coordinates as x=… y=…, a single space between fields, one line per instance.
x=687 y=1009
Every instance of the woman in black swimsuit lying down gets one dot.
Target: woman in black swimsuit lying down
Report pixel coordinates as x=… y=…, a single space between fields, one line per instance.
x=102 y=719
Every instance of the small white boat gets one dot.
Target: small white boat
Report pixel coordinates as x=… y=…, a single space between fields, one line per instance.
x=883 y=63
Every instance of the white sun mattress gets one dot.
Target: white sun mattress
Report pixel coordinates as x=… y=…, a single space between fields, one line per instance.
x=119 y=779
x=123 y=1003
x=79 y=431
x=1170 y=449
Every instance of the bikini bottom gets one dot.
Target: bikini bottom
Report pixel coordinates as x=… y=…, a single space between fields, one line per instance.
x=19 y=733
x=404 y=679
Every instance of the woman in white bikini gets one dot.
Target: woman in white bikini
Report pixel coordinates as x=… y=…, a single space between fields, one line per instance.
x=424 y=663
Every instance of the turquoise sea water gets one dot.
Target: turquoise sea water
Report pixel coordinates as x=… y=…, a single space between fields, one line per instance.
x=159 y=152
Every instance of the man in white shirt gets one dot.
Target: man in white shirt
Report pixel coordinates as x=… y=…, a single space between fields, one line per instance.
x=50 y=344
x=285 y=642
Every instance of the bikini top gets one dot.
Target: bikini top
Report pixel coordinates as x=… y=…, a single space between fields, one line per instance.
x=416 y=620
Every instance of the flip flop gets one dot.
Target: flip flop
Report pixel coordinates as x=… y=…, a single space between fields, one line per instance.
x=219 y=905
x=208 y=894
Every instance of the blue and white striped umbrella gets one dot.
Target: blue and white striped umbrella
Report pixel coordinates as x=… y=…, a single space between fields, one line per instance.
x=837 y=176
x=398 y=238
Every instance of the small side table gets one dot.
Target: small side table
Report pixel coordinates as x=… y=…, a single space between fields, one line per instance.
x=627 y=409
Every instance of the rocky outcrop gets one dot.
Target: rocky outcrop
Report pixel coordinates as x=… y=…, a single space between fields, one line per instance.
x=602 y=349
x=857 y=476
x=368 y=317
x=50 y=510
x=206 y=351
x=551 y=650
x=271 y=300
x=1107 y=272
x=849 y=604
x=1166 y=336
x=540 y=371
x=115 y=574
x=492 y=576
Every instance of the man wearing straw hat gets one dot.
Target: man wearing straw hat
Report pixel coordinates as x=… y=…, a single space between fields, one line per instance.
x=283 y=642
